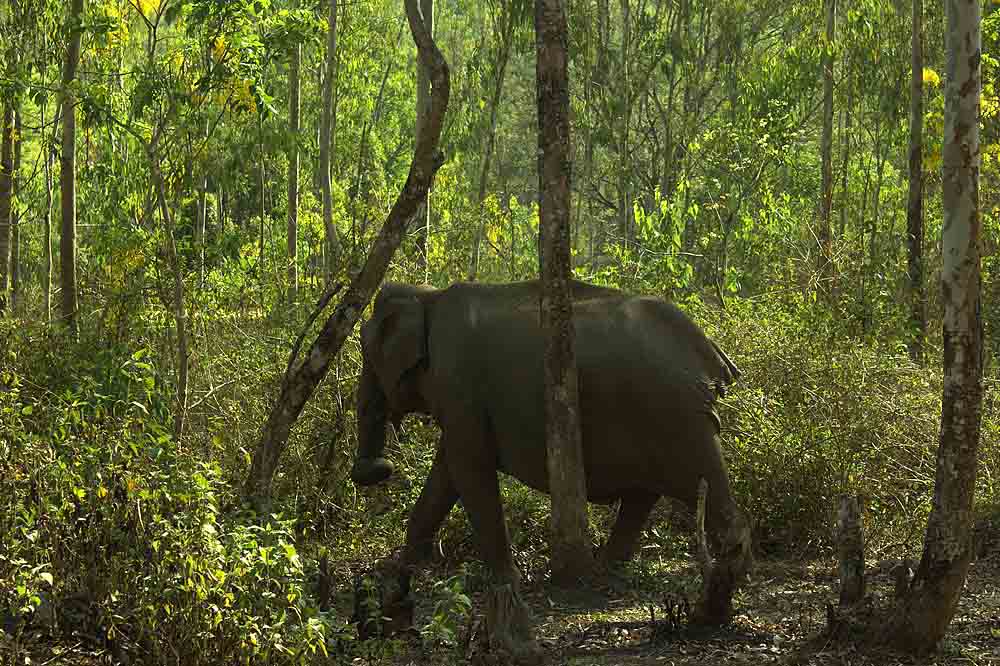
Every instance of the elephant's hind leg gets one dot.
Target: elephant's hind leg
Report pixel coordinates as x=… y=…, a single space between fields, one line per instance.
x=632 y=515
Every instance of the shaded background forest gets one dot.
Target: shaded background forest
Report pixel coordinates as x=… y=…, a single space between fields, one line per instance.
x=697 y=176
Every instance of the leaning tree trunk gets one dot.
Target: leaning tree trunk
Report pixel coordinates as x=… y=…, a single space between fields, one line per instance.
x=571 y=555
x=914 y=202
x=923 y=615
x=301 y=382
x=67 y=175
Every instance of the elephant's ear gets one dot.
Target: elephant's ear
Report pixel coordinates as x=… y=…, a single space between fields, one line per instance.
x=396 y=338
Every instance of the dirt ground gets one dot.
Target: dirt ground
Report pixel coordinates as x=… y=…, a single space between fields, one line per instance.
x=781 y=616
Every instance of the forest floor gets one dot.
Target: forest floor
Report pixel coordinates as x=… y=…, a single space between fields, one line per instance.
x=781 y=616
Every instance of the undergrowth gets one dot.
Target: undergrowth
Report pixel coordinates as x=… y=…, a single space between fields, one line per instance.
x=123 y=537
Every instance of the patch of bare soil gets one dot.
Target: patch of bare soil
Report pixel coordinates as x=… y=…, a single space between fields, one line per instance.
x=780 y=620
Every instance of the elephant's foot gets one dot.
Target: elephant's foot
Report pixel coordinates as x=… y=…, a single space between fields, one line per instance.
x=509 y=627
x=382 y=604
x=722 y=577
x=715 y=607
x=369 y=471
x=612 y=555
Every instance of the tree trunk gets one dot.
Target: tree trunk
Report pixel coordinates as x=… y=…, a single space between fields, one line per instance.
x=571 y=555
x=6 y=199
x=327 y=138
x=851 y=546
x=825 y=235
x=423 y=109
x=300 y=383
x=914 y=201
x=67 y=175
x=922 y=617
x=261 y=182
x=47 y=231
x=845 y=160
x=625 y=214
x=294 y=128
x=15 y=216
x=507 y=31
x=179 y=309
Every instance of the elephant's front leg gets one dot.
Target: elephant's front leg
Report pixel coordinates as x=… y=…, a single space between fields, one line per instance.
x=632 y=515
x=472 y=465
x=436 y=500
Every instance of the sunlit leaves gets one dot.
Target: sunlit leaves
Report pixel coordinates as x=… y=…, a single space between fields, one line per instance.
x=930 y=77
x=148 y=8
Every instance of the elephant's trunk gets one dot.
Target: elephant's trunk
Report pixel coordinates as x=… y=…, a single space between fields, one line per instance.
x=370 y=467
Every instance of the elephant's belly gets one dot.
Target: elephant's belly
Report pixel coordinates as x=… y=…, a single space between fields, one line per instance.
x=614 y=467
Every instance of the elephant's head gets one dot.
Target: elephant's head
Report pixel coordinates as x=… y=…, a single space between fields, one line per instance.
x=394 y=347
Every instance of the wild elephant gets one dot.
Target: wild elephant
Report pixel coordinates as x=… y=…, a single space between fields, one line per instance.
x=471 y=355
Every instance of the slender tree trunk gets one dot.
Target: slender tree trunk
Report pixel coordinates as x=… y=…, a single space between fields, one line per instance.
x=845 y=161
x=423 y=108
x=15 y=216
x=922 y=617
x=220 y=208
x=327 y=139
x=67 y=176
x=47 y=231
x=6 y=199
x=571 y=548
x=826 y=157
x=915 y=198
x=201 y=224
x=625 y=213
x=179 y=309
x=261 y=182
x=294 y=128
x=301 y=381
x=507 y=30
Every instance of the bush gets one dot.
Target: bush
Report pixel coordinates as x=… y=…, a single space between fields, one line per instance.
x=818 y=414
x=116 y=535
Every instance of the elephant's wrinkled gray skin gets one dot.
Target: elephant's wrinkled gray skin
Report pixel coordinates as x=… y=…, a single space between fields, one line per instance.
x=471 y=355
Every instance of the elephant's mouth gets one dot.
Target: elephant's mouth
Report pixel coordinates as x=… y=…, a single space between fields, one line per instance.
x=369 y=471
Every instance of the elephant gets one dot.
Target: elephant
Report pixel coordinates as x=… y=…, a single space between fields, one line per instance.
x=472 y=355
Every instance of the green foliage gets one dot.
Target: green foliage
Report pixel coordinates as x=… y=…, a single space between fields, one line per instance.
x=695 y=177
x=817 y=415
x=451 y=609
x=116 y=530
